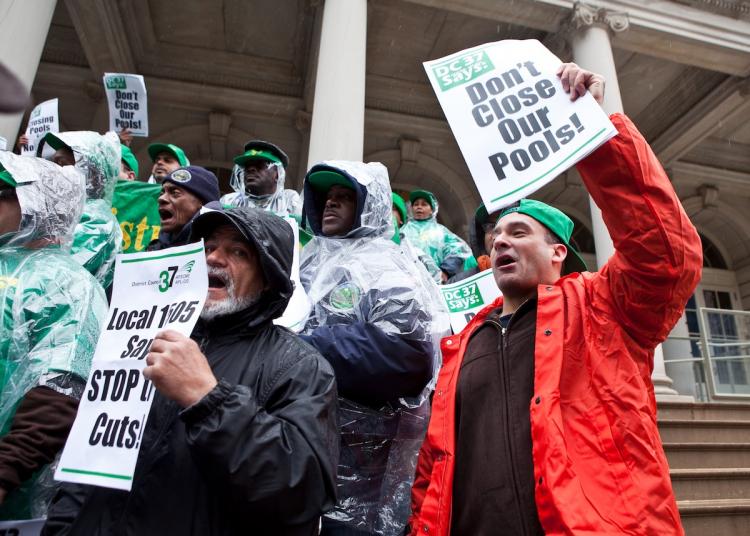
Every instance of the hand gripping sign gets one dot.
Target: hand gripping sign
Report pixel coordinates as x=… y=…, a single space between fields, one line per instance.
x=514 y=124
x=466 y=298
x=152 y=292
x=128 y=107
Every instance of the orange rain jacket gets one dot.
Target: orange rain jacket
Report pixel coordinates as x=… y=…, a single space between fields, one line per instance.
x=599 y=464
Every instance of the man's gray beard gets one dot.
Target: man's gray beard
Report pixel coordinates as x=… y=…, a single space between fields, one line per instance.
x=231 y=304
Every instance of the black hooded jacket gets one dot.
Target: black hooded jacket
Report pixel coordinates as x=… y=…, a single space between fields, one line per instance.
x=257 y=455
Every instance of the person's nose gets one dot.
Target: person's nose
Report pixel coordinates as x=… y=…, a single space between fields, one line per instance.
x=215 y=258
x=500 y=242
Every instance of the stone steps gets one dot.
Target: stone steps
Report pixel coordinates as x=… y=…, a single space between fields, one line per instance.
x=713 y=483
x=715 y=517
x=704 y=431
x=686 y=455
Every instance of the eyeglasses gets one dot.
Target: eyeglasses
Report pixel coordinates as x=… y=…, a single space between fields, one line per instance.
x=488 y=227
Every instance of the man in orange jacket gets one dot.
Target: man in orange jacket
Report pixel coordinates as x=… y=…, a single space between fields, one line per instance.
x=544 y=416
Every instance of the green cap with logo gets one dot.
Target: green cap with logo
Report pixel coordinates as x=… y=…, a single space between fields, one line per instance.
x=155 y=148
x=262 y=150
x=129 y=158
x=557 y=222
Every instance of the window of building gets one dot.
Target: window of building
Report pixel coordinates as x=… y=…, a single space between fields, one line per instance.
x=712 y=257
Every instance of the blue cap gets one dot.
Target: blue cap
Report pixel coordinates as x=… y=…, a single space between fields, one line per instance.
x=196 y=180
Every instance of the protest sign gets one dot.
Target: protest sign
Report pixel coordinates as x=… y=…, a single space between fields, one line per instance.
x=29 y=527
x=135 y=205
x=152 y=292
x=466 y=298
x=128 y=106
x=43 y=119
x=516 y=127
x=299 y=306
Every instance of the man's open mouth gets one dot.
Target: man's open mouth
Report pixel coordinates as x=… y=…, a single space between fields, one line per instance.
x=165 y=214
x=216 y=281
x=504 y=260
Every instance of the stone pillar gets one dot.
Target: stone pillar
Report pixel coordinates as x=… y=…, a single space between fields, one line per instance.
x=592 y=50
x=338 y=118
x=23 y=32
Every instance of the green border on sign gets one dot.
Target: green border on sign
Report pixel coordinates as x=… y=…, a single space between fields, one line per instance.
x=95 y=473
x=571 y=155
x=126 y=261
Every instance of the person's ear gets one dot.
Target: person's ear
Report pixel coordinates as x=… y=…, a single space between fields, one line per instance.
x=559 y=254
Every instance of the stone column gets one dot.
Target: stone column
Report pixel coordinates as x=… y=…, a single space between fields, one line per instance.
x=23 y=31
x=338 y=118
x=592 y=50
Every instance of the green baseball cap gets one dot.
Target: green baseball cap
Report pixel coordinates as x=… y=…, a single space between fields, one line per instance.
x=155 y=148
x=7 y=178
x=423 y=194
x=256 y=154
x=129 y=158
x=557 y=222
x=400 y=205
x=323 y=180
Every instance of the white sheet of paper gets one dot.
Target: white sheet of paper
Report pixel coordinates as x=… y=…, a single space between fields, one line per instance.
x=44 y=118
x=466 y=298
x=128 y=102
x=299 y=306
x=3 y=144
x=28 y=527
x=152 y=291
x=516 y=127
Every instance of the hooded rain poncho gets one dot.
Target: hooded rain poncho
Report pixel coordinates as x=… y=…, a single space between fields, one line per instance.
x=282 y=202
x=448 y=250
x=50 y=307
x=378 y=318
x=97 y=238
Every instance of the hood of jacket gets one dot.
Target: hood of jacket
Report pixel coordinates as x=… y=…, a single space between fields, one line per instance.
x=374 y=216
x=97 y=157
x=51 y=199
x=273 y=239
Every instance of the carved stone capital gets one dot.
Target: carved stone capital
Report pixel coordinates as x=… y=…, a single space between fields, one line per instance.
x=709 y=195
x=585 y=14
x=409 y=149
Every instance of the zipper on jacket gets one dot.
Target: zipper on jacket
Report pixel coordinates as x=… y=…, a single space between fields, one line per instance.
x=502 y=347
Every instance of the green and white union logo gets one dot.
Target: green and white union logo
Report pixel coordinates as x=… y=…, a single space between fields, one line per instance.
x=457 y=71
x=116 y=82
x=344 y=297
x=462 y=298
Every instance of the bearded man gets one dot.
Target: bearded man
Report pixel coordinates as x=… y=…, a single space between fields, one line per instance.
x=242 y=435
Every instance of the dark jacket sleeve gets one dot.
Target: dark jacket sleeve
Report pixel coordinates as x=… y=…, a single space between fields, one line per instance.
x=38 y=432
x=64 y=508
x=373 y=367
x=276 y=455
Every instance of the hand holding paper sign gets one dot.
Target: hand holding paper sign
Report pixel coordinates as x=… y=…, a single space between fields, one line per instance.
x=178 y=368
x=577 y=81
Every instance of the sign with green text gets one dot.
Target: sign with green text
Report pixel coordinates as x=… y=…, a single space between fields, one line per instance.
x=466 y=298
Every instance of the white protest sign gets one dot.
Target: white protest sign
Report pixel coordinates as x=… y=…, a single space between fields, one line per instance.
x=151 y=292
x=128 y=105
x=30 y=527
x=3 y=144
x=466 y=298
x=299 y=306
x=516 y=127
x=44 y=118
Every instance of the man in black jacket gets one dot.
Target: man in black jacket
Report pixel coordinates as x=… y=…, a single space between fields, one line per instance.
x=242 y=435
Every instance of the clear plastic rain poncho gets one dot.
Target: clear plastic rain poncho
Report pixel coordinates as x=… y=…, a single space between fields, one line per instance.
x=97 y=238
x=447 y=249
x=282 y=202
x=390 y=288
x=50 y=307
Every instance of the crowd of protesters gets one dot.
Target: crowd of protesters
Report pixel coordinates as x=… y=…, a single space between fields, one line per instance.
x=537 y=418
